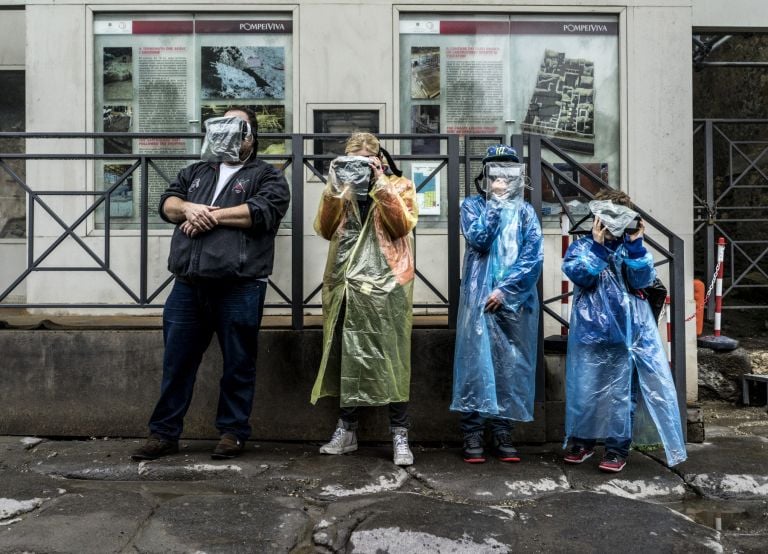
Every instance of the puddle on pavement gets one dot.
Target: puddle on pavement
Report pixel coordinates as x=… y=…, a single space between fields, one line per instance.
x=726 y=515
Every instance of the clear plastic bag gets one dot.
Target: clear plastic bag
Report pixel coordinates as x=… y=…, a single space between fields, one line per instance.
x=223 y=138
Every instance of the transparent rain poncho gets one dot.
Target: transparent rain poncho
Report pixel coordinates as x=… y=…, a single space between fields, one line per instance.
x=367 y=292
x=613 y=336
x=495 y=359
x=223 y=138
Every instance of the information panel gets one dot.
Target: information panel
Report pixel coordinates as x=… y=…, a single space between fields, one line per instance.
x=555 y=75
x=169 y=75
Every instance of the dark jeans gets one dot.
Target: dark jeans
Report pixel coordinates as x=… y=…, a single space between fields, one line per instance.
x=398 y=415
x=614 y=444
x=192 y=314
x=473 y=422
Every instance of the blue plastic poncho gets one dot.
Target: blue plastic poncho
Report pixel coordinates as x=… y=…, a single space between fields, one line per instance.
x=613 y=334
x=494 y=370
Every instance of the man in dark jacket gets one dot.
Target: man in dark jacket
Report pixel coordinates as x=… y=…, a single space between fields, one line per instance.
x=227 y=211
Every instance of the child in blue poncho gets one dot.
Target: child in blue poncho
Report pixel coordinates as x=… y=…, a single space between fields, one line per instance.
x=616 y=364
x=497 y=328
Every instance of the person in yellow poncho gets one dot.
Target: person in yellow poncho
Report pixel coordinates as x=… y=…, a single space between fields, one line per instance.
x=367 y=211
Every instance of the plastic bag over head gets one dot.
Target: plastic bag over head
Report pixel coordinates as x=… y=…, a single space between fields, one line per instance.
x=503 y=180
x=353 y=172
x=223 y=138
x=615 y=217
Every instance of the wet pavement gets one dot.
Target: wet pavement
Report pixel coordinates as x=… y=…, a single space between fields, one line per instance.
x=85 y=496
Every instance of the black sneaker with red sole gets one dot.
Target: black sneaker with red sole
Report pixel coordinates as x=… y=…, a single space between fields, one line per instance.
x=577 y=454
x=612 y=463
x=473 y=453
x=504 y=449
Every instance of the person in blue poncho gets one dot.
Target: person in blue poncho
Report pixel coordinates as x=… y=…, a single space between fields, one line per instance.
x=616 y=365
x=497 y=329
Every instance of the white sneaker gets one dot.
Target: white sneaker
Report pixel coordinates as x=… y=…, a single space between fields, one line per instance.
x=343 y=441
x=402 y=452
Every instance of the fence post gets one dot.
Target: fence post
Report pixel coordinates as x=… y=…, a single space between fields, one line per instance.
x=534 y=172
x=564 y=282
x=677 y=288
x=144 y=230
x=454 y=262
x=297 y=232
x=709 y=160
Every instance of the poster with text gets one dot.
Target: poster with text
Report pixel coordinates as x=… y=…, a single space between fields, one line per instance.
x=163 y=73
x=474 y=99
x=427 y=190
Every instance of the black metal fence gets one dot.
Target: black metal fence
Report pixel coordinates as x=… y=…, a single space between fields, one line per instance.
x=550 y=169
x=731 y=201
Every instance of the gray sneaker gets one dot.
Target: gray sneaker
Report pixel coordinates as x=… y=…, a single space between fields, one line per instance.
x=343 y=440
x=402 y=452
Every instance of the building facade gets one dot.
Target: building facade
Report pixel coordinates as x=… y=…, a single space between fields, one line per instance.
x=610 y=82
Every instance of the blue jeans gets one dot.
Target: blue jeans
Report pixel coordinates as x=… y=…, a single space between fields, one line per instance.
x=473 y=422
x=617 y=445
x=192 y=314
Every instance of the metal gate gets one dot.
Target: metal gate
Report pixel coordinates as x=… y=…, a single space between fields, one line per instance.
x=731 y=201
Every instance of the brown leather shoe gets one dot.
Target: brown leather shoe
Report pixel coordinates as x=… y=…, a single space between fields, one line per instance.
x=155 y=447
x=229 y=447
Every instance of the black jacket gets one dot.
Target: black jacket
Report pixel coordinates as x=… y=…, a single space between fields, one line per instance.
x=229 y=252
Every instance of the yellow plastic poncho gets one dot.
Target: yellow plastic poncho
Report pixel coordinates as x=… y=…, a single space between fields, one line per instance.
x=370 y=269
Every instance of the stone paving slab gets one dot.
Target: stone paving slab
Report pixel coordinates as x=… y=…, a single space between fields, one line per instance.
x=97 y=522
x=110 y=460
x=643 y=478
x=727 y=467
x=492 y=482
x=605 y=523
x=26 y=486
x=367 y=471
x=224 y=524
x=14 y=451
x=408 y=523
x=288 y=497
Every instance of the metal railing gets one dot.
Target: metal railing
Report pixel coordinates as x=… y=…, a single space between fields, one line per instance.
x=141 y=165
x=457 y=154
x=548 y=177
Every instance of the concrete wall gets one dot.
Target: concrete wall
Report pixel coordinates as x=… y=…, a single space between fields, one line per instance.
x=105 y=383
x=733 y=15
x=660 y=157
x=358 y=67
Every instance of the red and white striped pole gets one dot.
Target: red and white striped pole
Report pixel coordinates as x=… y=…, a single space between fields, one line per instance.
x=719 y=284
x=668 y=314
x=565 y=240
x=718 y=342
